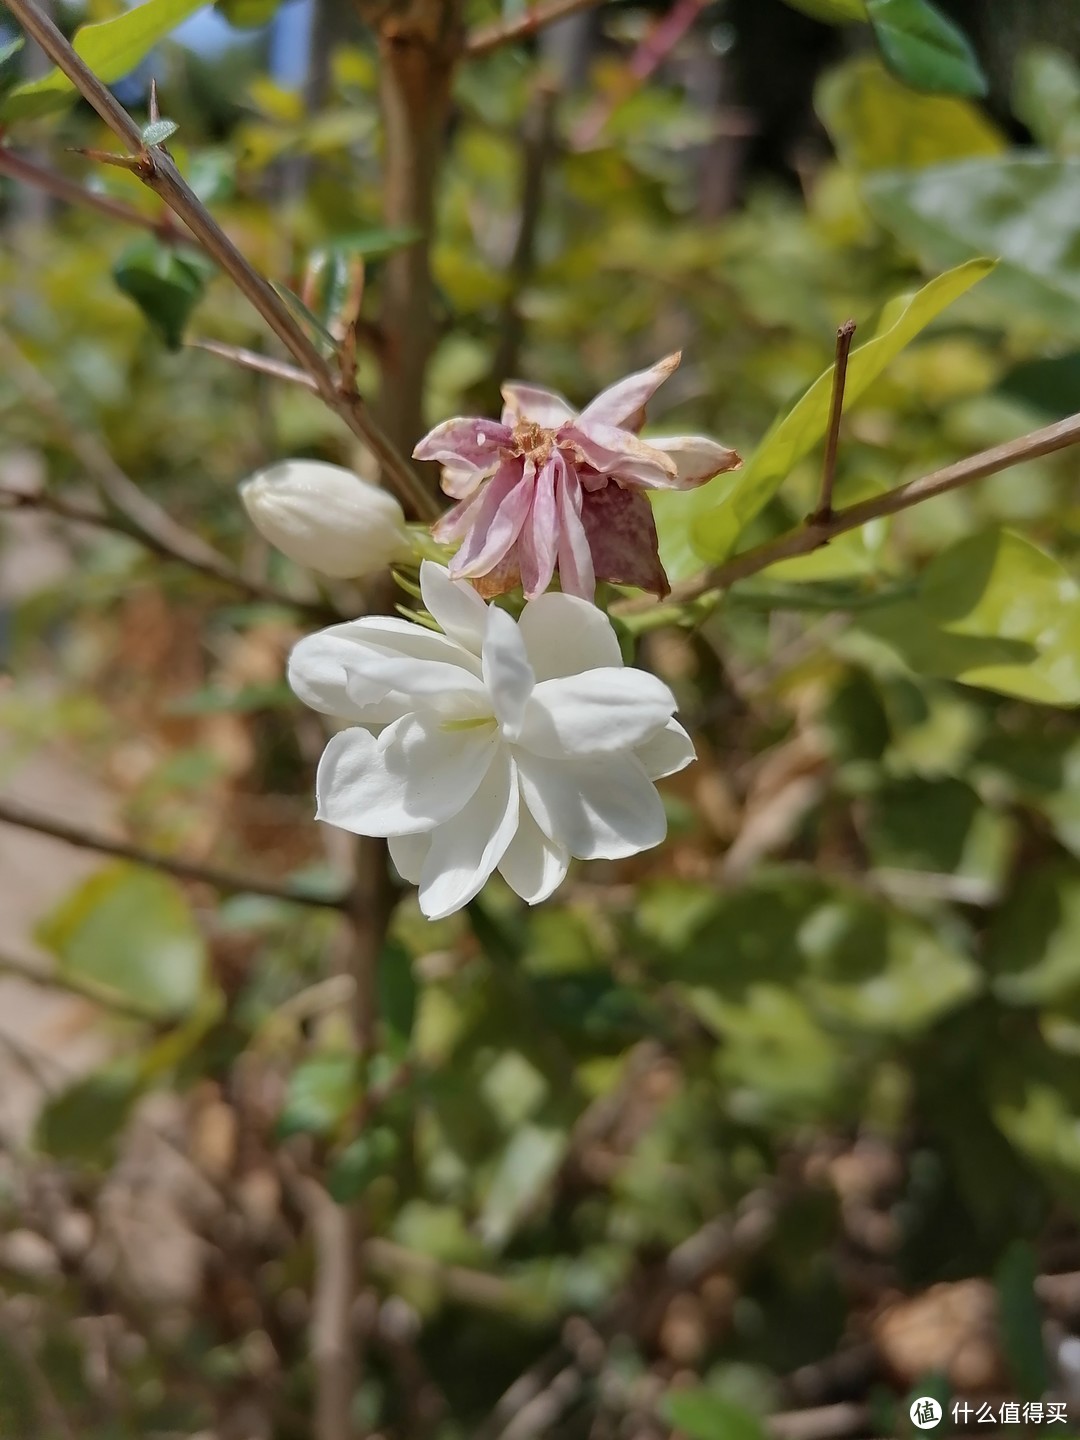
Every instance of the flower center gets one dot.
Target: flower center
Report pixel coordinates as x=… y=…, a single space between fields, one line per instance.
x=533 y=442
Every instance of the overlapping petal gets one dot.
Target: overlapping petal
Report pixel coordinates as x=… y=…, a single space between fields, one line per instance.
x=455 y=606
x=667 y=752
x=500 y=514
x=463 y=853
x=465 y=444
x=565 y=635
x=507 y=672
x=622 y=454
x=533 y=402
x=533 y=866
x=413 y=776
x=621 y=403
x=597 y=712
x=601 y=808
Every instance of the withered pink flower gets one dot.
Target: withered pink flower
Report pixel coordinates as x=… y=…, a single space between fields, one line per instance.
x=547 y=488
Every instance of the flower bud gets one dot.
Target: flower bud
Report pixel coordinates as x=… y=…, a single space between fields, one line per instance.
x=326 y=518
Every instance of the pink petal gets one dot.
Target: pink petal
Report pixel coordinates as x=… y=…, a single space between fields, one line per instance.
x=533 y=402
x=461 y=482
x=465 y=444
x=457 y=520
x=621 y=532
x=617 y=452
x=696 y=458
x=576 y=574
x=621 y=402
x=538 y=543
x=499 y=517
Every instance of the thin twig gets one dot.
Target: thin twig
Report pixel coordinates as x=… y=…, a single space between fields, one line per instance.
x=147 y=517
x=806 y=538
x=12 y=813
x=332 y=1347
x=18 y=167
x=69 y=985
x=226 y=574
x=486 y=38
x=844 y=336
x=253 y=360
x=156 y=169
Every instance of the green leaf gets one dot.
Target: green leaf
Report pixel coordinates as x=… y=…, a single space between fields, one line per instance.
x=993 y=611
x=1024 y=208
x=1021 y=1319
x=1046 y=97
x=80 y=1124
x=876 y=123
x=702 y=1415
x=373 y=243
x=248 y=14
x=369 y=1156
x=525 y=1169
x=158 y=131
x=397 y=995
x=321 y=1093
x=130 y=933
x=727 y=504
x=111 y=48
x=1047 y=385
x=924 y=49
x=833 y=12
x=165 y=283
x=11 y=48
x=1033 y=949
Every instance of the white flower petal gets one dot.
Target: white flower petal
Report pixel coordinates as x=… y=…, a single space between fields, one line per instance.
x=595 y=713
x=533 y=402
x=466 y=849
x=454 y=605
x=533 y=865
x=507 y=672
x=667 y=752
x=408 y=852
x=565 y=635
x=601 y=808
x=696 y=458
x=622 y=401
x=413 y=777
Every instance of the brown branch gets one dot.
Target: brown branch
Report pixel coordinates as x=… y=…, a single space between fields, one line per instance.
x=811 y=536
x=844 y=336
x=253 y=360
x=61 y=187
x=70 y=985
x=223 y=572
x=157 y=170
x=486 y=38
x=144 y=514
x=12 y=813
x=332 y=1349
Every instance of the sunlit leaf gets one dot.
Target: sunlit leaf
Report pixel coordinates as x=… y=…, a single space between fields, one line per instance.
x=131 y=933
x=878 y=123
x=322 y=1091
x=1046 y=97
x=994 y=611
x=364 y=1160
x=527 y=1166
x=727 y=504
x=1033 y=949
x=1024 y=208
x=111 y=48
x=924 y=49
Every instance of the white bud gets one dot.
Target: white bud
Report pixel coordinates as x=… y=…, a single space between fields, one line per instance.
x=326 y=518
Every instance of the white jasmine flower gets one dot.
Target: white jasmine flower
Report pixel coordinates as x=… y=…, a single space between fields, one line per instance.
x=327 y=518
x=496 y=744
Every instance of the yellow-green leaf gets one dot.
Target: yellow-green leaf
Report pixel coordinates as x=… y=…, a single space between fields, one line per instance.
x=112 y=49
x=876 y=123
x=993 y=611
x=130 y=933
x=726 y=506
